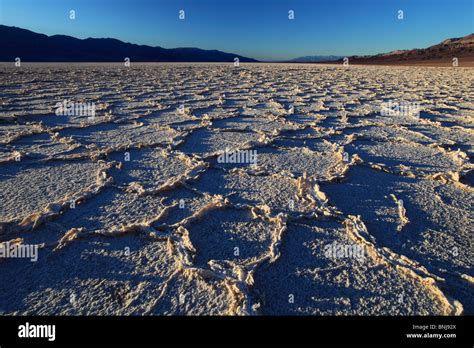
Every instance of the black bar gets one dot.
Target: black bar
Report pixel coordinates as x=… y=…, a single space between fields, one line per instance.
x=242 y=330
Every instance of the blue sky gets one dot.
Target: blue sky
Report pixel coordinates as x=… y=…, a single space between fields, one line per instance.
x=255 y=28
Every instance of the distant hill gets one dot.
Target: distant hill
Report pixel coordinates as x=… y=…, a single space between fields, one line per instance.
x=33 y=47
x=310 y=59
x=441 y=54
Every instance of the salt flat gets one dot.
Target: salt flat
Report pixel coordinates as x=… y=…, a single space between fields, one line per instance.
x=344 y=211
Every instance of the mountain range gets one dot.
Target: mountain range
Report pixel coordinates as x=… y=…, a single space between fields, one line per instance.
x=33 y=47
x=441 y=54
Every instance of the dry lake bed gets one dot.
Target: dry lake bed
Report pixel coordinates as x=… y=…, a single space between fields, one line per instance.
x=214 y=189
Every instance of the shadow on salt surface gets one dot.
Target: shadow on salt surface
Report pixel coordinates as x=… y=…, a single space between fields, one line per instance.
x=297 y=160
x=204 y=142
x=442 y=228
x=53 y=120
x=468 y=179
x=202 y=111
x=28 y=188
x=252 y=124
x=213 y=181
x=108 y=211
x=367 y=193
x=364 y=118
x=277 y=192
x=213 y=112
x=305 y=133
x=113 y=134
x=387 y=133
x=317 y=145
x=306 y=281
x=268 y=106
x=150 y=167
x=40 y=146
x=184 y=125
x=194 y=295
x=335 y=121
x=447 y=120
x=453 y=138
x=431 y=234
x=229 y=234
x=234 y=102
x=302 y=118
x=182 y=203
x=449 y=138
x=5 y=153
x=92 y=276
x=419 y=159
x=164 y=117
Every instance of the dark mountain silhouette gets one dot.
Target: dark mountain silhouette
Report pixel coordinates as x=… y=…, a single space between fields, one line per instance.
x=33 y=47
x=441 y=54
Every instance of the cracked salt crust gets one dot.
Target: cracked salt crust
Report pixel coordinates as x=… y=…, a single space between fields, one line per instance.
x=157 y=233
